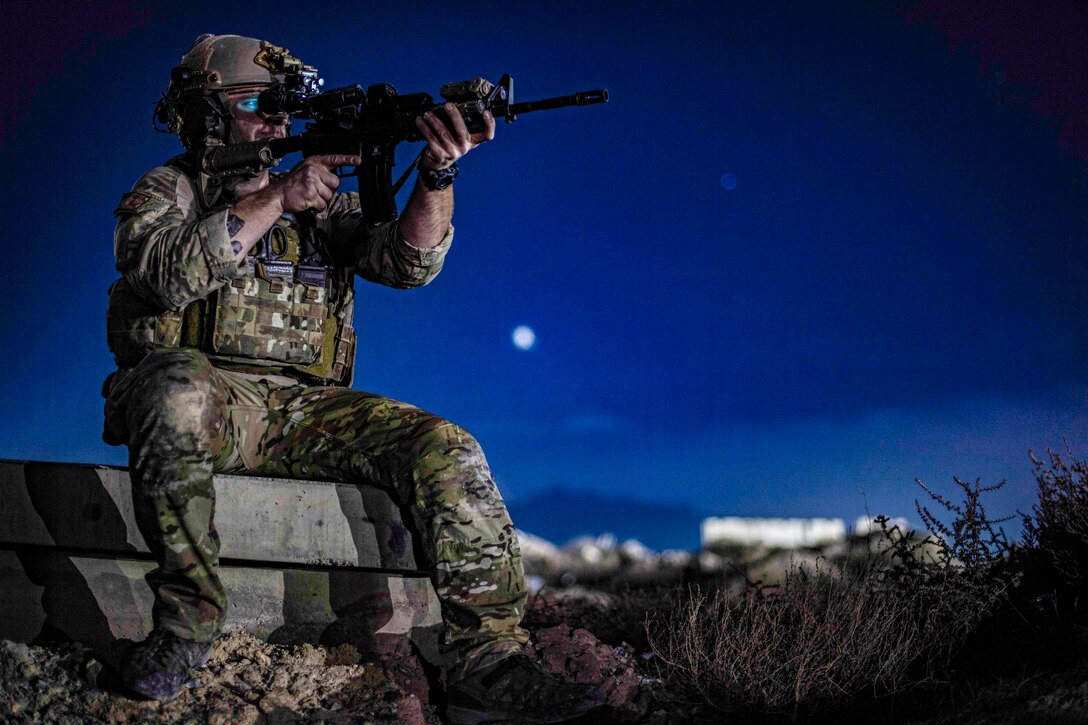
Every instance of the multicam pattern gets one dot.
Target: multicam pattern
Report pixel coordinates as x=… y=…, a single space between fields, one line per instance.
x=185 y=418
x=279 y=321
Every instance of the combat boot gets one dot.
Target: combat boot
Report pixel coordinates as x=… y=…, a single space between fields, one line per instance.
x=159 y=667
x=518 y=690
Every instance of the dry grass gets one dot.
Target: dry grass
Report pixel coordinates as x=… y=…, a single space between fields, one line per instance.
x=820 y=641
x=813 y=641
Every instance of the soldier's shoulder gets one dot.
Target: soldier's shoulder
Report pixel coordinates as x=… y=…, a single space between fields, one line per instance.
x=156 y=187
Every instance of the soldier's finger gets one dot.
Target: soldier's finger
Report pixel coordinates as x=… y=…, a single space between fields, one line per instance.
x=428 y=133
x=489 y=128
x=438 y=126
x=328 y=178
x=438 y=151
x=331 y=161
x=457 y=122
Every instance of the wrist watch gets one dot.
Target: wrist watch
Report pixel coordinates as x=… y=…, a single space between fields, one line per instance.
x=437 y=179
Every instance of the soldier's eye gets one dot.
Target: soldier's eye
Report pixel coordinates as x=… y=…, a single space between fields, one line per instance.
x=249 y=105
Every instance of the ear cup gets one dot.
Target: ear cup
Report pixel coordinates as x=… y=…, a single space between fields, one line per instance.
x=201 y=120
x=165 y=116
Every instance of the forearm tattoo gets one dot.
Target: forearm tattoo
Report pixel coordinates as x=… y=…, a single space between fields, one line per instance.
x=234 y=225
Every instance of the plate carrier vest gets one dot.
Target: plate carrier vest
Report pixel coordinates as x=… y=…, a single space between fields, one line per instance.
x=290 y=313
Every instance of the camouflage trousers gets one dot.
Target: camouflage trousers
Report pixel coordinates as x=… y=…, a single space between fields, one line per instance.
x=184 y=420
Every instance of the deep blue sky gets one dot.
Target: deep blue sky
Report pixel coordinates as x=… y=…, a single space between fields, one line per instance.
x=894 y=286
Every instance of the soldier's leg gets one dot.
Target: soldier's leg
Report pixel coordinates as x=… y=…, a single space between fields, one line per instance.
x=171 y=411
x=439 y=474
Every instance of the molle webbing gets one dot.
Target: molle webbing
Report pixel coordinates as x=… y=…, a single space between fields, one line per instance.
x=280 y=317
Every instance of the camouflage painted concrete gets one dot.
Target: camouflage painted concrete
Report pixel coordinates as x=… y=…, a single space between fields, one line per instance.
x=73 y=562
x=184 y=419
x=97 y=600
x=88 y=509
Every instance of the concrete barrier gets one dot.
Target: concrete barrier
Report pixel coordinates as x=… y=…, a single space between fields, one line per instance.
x=303 y=561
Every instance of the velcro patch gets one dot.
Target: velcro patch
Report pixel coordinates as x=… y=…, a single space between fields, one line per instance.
x=271 y=269
x=132 y=201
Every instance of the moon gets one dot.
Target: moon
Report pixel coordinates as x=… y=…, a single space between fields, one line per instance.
x=523 y=336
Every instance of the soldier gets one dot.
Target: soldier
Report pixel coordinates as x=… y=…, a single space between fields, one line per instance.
x=232 y=332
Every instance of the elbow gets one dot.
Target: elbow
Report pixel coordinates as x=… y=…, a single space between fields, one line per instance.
x=418 y=276
x=163 y=293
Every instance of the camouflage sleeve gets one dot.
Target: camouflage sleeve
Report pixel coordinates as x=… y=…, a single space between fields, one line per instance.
x=379 y=252
x=167 y=252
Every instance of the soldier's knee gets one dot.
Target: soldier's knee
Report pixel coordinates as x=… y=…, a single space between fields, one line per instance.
x=438 y=435
x=175 y=390
x=453 y=469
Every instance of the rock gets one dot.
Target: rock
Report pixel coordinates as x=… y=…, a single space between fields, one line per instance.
x=579 y=656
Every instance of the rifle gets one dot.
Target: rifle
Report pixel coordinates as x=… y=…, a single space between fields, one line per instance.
x=370 y=124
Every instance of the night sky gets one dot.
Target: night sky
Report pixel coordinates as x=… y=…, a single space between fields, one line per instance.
x=804 y=255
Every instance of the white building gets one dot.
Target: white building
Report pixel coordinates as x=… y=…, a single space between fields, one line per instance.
x=778 y=533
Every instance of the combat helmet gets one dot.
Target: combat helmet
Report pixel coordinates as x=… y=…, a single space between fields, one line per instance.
x=195 y=104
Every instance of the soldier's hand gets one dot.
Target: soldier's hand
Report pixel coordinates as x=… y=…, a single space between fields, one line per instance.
x=449 y=139
x=311 y=183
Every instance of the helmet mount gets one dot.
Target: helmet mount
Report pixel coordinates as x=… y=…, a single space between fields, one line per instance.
x=195 y=104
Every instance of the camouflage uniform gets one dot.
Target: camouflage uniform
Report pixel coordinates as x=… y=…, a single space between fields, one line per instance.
x=251 y=391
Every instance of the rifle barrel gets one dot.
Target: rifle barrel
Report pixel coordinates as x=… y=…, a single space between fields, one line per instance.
x=584 y=98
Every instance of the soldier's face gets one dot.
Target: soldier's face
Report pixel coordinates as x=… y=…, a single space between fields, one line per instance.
x=249 y=123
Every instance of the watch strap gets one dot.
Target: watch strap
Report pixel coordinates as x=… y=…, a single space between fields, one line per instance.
x=437 y=179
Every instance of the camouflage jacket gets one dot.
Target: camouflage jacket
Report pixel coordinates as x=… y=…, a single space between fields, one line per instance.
x=288 y=310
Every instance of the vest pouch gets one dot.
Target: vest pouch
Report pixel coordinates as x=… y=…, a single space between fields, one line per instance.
x=134 y=327
x=345 y=354
x=275 y=320
x=337 y=354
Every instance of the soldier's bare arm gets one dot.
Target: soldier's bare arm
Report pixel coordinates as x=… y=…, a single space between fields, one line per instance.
x=309 y=185
x=427 y=214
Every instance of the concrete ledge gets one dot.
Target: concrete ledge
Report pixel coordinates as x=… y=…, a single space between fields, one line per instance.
x=89 y=508
x=97 y=600
x=302 y=561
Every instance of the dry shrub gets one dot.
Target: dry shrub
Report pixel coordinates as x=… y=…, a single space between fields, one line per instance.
x=818 y=641
x=958 y=574
x=1060 y=525
x=813 y=641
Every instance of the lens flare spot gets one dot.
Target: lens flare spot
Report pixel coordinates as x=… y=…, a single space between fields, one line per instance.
x=729 y=182
x=524 y=338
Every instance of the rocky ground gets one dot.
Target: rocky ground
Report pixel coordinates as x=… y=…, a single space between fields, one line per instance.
x=246 y=681
x=249 y=681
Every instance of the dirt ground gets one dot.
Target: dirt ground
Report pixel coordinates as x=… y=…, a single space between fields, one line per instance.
x=248 y=681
